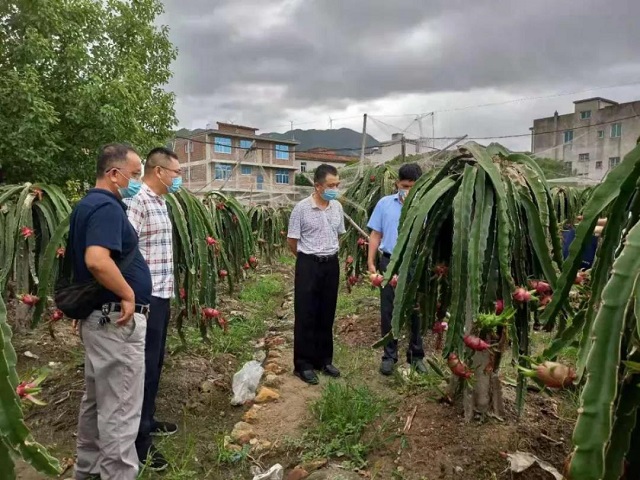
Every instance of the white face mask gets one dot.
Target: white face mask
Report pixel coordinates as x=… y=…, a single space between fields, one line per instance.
x=402 y=194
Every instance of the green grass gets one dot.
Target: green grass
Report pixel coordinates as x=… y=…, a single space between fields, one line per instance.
x=214 y=460
x=259 y=298
x=349 y=422
x=352 y=303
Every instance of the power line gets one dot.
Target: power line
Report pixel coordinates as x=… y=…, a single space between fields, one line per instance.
x=519 y=135
x=480 y=105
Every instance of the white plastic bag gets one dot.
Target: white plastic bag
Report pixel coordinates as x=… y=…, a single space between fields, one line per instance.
x=245 y=382
x=274 y=473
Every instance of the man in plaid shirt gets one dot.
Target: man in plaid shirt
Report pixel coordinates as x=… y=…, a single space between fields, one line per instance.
x=148 y=214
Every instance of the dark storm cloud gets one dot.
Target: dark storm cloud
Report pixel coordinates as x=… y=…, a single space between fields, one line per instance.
x=317 y=53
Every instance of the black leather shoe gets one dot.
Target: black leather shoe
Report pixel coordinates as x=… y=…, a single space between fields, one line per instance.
x=331 y=371
x=307 y=376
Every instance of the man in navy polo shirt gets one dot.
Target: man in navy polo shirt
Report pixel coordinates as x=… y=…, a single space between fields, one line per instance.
x=114 y=334
x=384 y=224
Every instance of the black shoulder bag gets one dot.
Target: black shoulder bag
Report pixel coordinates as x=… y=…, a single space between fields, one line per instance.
x=78 y=300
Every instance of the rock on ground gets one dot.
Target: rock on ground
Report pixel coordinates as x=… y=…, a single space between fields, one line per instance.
x=334 y=474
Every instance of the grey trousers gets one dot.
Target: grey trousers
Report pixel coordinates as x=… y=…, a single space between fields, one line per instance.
x=114 y=388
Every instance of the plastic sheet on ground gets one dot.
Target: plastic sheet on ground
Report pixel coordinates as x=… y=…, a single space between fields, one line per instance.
x=245 y=382
x=520 y=461
x=274 y=473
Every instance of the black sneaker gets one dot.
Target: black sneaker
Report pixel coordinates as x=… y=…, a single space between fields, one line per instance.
x=155 y=461
x=419 y=367
x=163 y=429
x=387 y=366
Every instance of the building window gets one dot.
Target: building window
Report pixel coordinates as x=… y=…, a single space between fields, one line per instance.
x=223 y=172
x=246 y=144
x=568 y=136
x=616 y=130
x=282 y=152
x=188 y=147
x=222 y=145
x=282 y=176
x=583 y=157
x=259 y=182
x=568 y=166
x=585 y=114
x=600 y=133
x=246 y=170
x=303 y=167
x=613 y=162
x=598 y=165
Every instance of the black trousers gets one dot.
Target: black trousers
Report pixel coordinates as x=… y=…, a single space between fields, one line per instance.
x=156 y=341
x=415 y=350
x=315 y=297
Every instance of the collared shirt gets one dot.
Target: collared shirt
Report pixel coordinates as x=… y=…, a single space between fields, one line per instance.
x=148 y=214
x=385 y=219
x=316 y=229
x=99 y=219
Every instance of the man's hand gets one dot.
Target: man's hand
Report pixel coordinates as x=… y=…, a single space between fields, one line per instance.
x=372 y=269
x=128 y=308
x=107 y=273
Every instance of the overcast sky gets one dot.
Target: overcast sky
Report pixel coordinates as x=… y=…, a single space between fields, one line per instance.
x=265 y=63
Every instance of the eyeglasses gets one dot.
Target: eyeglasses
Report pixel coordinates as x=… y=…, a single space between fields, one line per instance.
x=177 y=171
x=135 y=176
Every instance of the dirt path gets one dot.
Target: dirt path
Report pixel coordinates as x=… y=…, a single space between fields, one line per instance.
x=196 y=391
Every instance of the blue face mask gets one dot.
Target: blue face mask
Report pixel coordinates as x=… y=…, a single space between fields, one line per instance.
x=330 y=194
x=402 y=194
x=176 y=183
x=132 y=188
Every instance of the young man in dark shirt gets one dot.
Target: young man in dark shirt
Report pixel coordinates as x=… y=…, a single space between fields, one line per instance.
x=114 y=334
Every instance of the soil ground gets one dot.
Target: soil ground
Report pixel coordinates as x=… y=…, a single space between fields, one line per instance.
x=196 y=390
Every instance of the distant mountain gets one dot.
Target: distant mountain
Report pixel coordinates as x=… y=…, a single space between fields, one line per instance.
x=344 y=140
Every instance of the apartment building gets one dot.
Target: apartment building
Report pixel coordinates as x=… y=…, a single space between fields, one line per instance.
x=236 y=158
x=590 y=141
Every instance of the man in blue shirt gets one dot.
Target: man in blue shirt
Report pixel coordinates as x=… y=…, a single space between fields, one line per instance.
x=114 y=334
x=384 y=224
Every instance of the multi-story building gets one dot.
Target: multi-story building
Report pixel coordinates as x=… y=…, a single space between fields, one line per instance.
x=591 y=140
x=235 y=158
x=398 y=146
x=309 y=160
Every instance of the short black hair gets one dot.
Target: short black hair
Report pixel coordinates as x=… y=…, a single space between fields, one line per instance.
x=159 y=156
x=410 y=171
x=112 y=155
x=322 y=171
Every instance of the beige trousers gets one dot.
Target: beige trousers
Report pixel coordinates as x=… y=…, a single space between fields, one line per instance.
x=114 y=388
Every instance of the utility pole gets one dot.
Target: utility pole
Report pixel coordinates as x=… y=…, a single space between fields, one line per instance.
x=292 y=135
x=403 y=145
x=330 y=123
x=419 y=146
x=364 y=144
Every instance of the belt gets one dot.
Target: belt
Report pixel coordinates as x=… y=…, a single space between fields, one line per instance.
x=386 y=255
x=321 y=258
x=113 y=307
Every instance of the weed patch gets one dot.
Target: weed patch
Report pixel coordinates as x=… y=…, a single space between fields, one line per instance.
x=350 y=421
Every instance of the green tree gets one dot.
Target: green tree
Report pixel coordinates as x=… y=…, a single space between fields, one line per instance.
x=75 y=74
x=553 y=168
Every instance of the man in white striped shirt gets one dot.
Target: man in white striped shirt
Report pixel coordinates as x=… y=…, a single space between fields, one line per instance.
x=314 y=227
x=148 y=214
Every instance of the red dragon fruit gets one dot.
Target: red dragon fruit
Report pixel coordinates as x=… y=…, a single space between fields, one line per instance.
x=475 y=343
